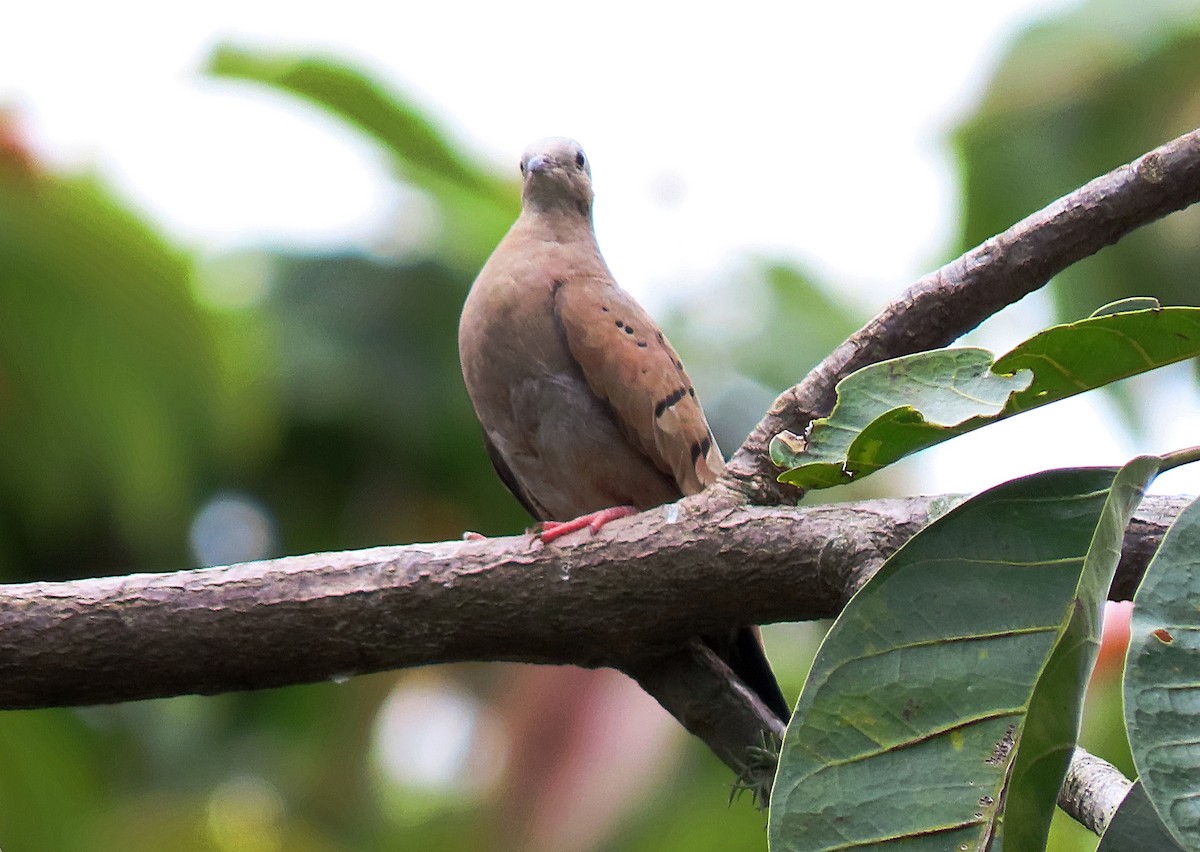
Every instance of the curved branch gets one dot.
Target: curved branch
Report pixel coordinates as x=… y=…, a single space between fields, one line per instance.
x=951 y=301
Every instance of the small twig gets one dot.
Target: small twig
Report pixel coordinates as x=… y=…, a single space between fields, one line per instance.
x=947 y=303
x=1092 y=791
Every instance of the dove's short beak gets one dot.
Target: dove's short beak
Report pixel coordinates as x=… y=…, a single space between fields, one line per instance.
x=539 y=163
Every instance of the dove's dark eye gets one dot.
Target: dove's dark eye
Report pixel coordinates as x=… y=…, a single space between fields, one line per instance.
x=579 y=160
x=522 y=167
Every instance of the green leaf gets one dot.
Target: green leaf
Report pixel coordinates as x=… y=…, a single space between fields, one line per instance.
x=1052 y=724
x=873 y=423
x=958 y=667
x=889 y=410
x=1122 y=306
x=1162 y=670
x=357 y=99
x=1137 y=826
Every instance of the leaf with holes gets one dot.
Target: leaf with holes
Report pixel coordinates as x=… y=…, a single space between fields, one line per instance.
x=942 y=708
x=1162 y=679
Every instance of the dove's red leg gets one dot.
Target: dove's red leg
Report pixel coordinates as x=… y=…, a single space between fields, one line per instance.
x=550 y=530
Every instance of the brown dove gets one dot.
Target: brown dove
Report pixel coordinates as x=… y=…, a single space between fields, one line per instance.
x=586 y=410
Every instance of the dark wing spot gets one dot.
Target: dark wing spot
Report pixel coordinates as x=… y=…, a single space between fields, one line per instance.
x=692 y=393
x=620 y=324
x=667 y=401
x=604 y=308
x=660 y=337
x=696 y=453
x=629 y=329
x=642 y=344
x=705 y=446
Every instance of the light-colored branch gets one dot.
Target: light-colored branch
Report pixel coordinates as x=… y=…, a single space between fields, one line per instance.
x=1092 y=791
x=947 y=303
x=643 y=585
x=631 y=597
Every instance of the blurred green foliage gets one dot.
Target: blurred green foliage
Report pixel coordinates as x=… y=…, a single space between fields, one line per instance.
x=110 y=392
x=1074 y=97
x=138 y=382
x=477 y=206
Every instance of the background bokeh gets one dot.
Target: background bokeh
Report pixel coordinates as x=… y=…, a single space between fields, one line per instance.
x=177 y=391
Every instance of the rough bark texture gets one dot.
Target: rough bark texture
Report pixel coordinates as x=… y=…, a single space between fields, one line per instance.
x=1092 y=790
x=631 y=597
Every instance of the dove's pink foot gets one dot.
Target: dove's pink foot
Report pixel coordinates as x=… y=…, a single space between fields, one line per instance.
x=550 y=530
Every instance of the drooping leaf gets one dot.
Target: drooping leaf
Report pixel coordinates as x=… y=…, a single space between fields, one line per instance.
x=1136 y=826
x=362 y=102
x=1162 y=679
x=1052 y=724
x=892 y=409
x=942 y=707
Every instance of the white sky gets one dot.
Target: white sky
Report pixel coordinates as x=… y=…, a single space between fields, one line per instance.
x=813 y=132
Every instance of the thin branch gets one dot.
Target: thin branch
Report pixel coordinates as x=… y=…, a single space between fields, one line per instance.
x=1092 y=791
x=947 y=303
x=631 y=597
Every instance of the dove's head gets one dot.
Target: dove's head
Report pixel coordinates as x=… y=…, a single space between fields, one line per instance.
x=557 y=177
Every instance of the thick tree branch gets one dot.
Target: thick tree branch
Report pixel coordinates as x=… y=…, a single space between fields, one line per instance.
x=631 y=598
x=1092 y=791
x=643 y=585
x=951 y=301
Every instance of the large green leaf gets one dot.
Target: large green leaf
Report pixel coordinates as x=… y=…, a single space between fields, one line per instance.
x=892 y=409
x=942 y=707
x=1162 y=679
x=1136 y=826
x=480 y=205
